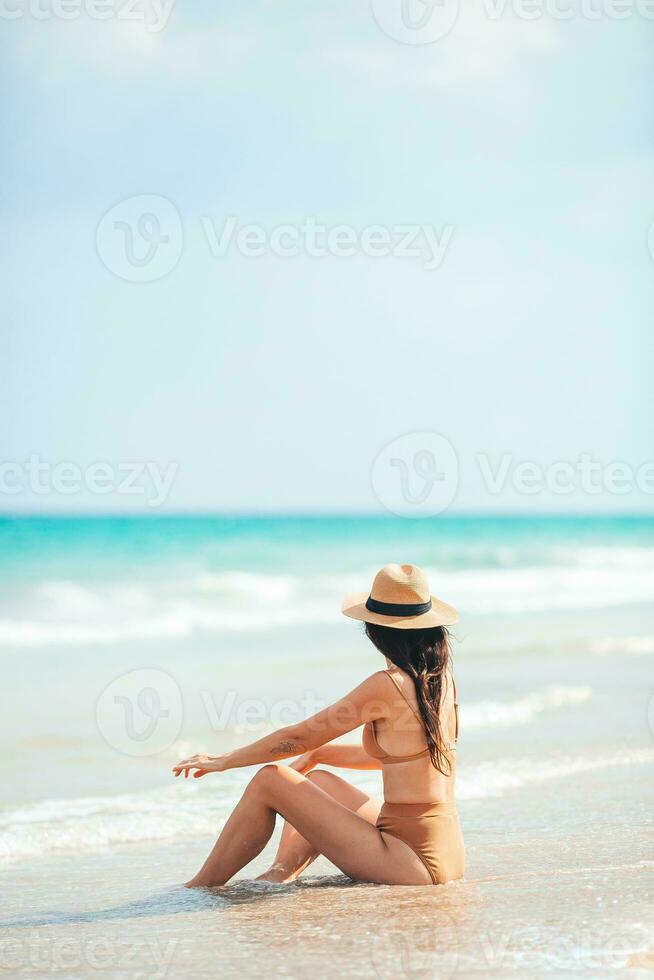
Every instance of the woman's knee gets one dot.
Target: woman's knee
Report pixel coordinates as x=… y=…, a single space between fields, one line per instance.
x=269 y=774
x=321 y=776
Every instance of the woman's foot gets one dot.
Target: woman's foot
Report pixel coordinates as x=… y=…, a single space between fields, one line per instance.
x=279 y=875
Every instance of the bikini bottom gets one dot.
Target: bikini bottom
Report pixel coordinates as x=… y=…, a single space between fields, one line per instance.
x=432 y=832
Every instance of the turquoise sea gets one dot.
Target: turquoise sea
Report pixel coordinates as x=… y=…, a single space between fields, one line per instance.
x=127 y=642
x=65 y=579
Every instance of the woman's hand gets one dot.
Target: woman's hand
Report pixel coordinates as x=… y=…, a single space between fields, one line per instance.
x=202 y=764
x=305 y=763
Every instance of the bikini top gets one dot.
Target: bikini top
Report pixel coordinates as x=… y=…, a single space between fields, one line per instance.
x=374 y=749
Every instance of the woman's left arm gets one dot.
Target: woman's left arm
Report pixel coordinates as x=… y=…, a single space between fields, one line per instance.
x=366 y=702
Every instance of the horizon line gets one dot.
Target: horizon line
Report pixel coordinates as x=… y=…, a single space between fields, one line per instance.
x=322 y=515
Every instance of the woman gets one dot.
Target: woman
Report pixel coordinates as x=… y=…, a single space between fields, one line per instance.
x=410 y=716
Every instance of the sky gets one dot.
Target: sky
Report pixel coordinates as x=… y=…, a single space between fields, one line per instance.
x=170 y=306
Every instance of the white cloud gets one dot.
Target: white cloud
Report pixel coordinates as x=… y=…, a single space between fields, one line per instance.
x=57 y=49
x=478 y=47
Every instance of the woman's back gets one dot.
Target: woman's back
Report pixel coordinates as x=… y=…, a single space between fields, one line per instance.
x=400 y=745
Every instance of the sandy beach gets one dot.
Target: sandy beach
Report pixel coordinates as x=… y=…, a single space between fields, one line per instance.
x=292 y=294
x=555 y=789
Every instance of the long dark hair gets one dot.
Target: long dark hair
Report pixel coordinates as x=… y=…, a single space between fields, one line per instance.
x=425 y=655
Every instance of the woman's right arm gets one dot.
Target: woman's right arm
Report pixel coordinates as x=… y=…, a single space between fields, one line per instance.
x=367 y=702
x=338 y=756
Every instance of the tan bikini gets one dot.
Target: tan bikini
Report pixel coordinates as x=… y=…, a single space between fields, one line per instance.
x=431 y=830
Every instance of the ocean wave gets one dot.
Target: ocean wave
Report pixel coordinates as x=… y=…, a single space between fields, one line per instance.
x=267 y=588
x=72 y=613
x=549 y=588
x=485 y=714
x=596 y=556
x=623 y=644
x=99 y=823
x=193 y=809
x=475 y=715
x=495 y=779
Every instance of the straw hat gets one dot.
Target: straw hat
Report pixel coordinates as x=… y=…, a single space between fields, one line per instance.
x=399 y=597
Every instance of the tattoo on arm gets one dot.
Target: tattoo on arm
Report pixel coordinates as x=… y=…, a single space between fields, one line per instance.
x=286 y=747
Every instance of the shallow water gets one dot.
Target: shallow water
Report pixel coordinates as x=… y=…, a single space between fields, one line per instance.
x=556 y=758
x=544 y=894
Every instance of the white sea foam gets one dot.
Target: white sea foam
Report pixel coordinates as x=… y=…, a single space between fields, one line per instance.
x=97 y=823
x=484 y=714
x=74 y=615
x=495 y=779
x=597 y=556
x=623 y=644
x=78 y=614
x=547 y=587
x=267 y=588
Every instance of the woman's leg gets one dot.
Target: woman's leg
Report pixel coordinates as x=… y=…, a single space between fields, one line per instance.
x=345 y=838
x=295 y=853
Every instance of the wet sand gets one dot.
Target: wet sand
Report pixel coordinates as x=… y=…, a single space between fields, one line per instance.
x=555 y=795
x=557 y=884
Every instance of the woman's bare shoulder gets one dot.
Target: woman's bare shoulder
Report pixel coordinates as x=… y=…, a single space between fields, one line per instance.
x=376 y=693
